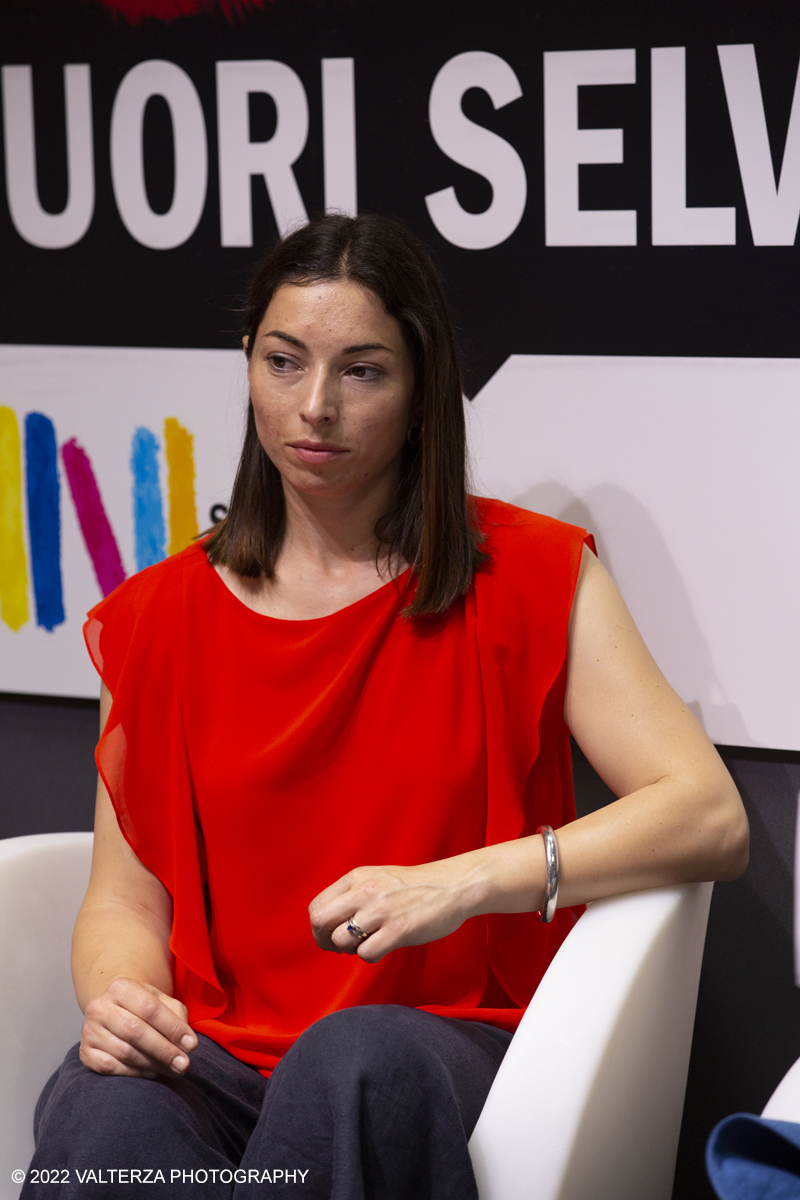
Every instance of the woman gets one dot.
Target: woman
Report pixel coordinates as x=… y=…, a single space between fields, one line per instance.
x=359 y=666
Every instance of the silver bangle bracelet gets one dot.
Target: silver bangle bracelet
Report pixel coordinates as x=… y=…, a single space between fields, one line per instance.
x=551 y=858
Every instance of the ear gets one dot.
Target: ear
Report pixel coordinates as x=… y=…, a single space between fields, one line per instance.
x=245 y=343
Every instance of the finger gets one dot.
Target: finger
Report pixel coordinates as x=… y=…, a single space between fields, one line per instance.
x=330 y=917
x=150 y=1008
x=106 y=1054
x=329 y=909
x=103 y=1052
x=329 y=893
x=104 y=1063
x=181 y=1012
x=325 y=909
x=129 y=1036
x=117 y=1032
x=361 y=895
x=348 y=943
x=379 y=944
x=134 y=1042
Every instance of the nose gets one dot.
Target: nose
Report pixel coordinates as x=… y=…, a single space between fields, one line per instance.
x=320 y=405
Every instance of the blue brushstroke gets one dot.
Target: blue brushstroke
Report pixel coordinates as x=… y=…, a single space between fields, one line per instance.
x=148 y=511
x=44 y=518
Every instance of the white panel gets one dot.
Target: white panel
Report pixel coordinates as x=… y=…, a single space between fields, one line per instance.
x=686 y=471
x=99 y=396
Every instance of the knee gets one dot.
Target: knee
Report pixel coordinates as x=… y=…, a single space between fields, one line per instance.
x=79 y=1104
x=369 y=1043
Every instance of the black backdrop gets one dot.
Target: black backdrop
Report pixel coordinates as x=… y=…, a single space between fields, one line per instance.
x=520 y=296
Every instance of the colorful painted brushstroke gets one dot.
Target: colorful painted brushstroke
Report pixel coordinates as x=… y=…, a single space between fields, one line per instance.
x=148 y=511
x=179 y=444
x=95 y=525
x=13 y=570
x=43 y=490
x=44 y=519
x=135 y=11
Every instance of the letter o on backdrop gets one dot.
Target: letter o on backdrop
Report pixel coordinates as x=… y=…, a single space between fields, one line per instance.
x=478 y=149
x=159 y=231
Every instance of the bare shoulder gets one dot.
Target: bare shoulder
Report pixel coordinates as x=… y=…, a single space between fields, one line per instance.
x=598 y=611
x=624 y=714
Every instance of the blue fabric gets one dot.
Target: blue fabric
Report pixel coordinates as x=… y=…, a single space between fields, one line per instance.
x=370 y=1103
x=748 y=1158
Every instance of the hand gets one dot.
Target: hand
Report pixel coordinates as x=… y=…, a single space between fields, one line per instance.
x=135 y=1029
x=396 y=906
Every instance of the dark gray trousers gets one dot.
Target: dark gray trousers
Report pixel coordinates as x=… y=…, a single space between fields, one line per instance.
x=371 y=1103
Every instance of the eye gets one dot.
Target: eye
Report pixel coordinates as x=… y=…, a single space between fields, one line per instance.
x=280 y=362
x=364 y=371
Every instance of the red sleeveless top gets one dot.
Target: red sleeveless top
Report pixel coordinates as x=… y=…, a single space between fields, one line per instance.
x=252 y=761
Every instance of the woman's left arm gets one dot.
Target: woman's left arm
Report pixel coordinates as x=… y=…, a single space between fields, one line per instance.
x=679 y=817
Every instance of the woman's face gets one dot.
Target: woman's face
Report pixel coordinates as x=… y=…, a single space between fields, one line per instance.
x=331 y=383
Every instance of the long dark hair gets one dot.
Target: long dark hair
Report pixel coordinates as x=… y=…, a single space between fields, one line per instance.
x=430 y=525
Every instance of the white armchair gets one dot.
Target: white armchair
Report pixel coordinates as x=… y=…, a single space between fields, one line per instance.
x=587 y=1103
x=784 y=1103
x=43 y=879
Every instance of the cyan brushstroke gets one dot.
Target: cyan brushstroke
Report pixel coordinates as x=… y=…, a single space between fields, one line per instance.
x=148 y=510
x=95 y=525
x=44 y=519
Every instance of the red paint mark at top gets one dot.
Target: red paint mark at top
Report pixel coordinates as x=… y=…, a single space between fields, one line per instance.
x=135 y=11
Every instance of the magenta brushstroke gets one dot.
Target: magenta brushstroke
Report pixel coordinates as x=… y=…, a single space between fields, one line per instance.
x=167 y=10
x=95 y=525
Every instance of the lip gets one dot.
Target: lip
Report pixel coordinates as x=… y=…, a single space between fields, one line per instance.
x=317 y=452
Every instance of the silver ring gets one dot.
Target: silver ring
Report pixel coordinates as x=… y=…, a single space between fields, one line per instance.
x=356 y=930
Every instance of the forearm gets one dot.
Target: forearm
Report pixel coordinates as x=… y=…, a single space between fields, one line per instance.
x=112 y=941
x=678 y=829
x=675 y=830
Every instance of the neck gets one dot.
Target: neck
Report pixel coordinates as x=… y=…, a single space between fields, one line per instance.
x=334 y=532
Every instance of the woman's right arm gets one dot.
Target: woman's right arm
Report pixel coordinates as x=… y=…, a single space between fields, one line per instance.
x=121 y=961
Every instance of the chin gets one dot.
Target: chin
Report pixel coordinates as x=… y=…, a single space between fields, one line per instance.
x=313 y=484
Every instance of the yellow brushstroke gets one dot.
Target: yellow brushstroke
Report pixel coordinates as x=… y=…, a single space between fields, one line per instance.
x=13 y=571
x=179 y=444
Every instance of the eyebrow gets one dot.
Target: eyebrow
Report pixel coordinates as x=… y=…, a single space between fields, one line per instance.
x=293 y=341
x=286 y=337
x=366 y=346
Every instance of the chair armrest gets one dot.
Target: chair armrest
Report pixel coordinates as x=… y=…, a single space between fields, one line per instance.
x=43 y=880
x=589 y=1097
x=784 y=1103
